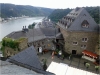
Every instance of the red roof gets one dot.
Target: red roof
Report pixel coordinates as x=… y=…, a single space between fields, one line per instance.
x=90 y=53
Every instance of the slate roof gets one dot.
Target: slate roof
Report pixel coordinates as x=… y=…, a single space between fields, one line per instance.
x=47 y=24
x=45 y=30
x=38 y=33
x=35 y=34
x=28 y=58
x=49 y=31
x=7 y=68
x=16 y=34
x=79 y=15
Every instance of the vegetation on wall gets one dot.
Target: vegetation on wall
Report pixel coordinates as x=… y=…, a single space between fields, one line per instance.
x=8 y=42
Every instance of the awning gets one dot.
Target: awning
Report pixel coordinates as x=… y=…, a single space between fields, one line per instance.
x=91 y=54
x=65 y=69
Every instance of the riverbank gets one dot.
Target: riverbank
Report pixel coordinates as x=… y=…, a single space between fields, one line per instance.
x=3 y=20
x=16 y=25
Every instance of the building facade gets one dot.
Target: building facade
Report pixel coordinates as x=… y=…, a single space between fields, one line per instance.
x=79 y=30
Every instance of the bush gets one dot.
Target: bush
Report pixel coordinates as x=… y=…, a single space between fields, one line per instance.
x=8 y=42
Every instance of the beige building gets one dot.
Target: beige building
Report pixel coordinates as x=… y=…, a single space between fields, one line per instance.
x=79 y=30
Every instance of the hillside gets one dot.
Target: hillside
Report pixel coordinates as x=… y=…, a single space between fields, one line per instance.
x=60 y=13
x=11 y=10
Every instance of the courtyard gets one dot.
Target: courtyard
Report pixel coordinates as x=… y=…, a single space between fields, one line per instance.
x=76 y=62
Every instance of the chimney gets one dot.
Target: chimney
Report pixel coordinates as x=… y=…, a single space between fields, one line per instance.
x=25 y=27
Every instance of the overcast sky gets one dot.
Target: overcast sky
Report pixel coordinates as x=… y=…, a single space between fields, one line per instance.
x=55 y=3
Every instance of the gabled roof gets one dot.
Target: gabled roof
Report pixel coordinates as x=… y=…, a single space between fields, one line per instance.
x=27 y=57
x=46 y=24
x=35 y=34
x=75 y=19
x=7 y=68
x=50 y=31
x=16 y=34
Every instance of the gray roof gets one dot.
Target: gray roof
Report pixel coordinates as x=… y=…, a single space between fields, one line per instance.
x=16 y=34
x=7 y=68
x=59 y=36
x=28 y=57
x=49 y=31
x=79 y=15
x=45 y=29
x=46 y=24
x=35 y=34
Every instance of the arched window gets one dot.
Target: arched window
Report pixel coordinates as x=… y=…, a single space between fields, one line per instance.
x=85 y=24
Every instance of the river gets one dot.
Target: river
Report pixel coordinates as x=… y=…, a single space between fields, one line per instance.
x=15 y=25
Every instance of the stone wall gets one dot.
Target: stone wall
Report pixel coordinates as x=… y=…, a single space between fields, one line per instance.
x=44 y=43
x=10 y=52
x=97 y=48
x=73 y=36
x=23 y=44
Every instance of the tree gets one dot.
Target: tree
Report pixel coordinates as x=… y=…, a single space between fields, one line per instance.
x=87 y=65
x=44 y=64
x=96 y=68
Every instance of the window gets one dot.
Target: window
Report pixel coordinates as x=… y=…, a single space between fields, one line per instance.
x=84 y=15
x=84 y=39
x=83 y=46
x=85 y=24
x=77 y=14
x=75 y=43
x=58 y=29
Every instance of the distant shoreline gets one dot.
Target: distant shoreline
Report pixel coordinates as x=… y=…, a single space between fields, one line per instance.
x=13 y=18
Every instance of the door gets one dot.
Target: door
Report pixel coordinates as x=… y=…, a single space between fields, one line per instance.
x=74 y=51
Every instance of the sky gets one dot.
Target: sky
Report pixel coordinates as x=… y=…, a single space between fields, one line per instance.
x=61 y=4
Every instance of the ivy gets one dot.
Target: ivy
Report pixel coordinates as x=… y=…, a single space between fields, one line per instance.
x=8 y=42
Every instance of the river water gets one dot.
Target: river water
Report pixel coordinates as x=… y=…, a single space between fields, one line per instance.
x=15 y=25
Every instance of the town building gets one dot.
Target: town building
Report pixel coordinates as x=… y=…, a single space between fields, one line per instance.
x=25 y=62
x=42 y=37
x=79 y=30
x=74 y=33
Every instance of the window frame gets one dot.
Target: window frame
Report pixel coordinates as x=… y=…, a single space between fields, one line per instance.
x=84 y=39
x=75 y=43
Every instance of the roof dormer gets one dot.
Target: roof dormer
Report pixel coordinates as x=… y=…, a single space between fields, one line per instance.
x=85 y=24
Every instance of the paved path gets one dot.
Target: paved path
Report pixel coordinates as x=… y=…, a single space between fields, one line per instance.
x=74 y=62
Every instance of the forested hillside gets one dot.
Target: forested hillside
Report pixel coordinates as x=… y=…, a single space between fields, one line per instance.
x=60 y=13
x=11 y=10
